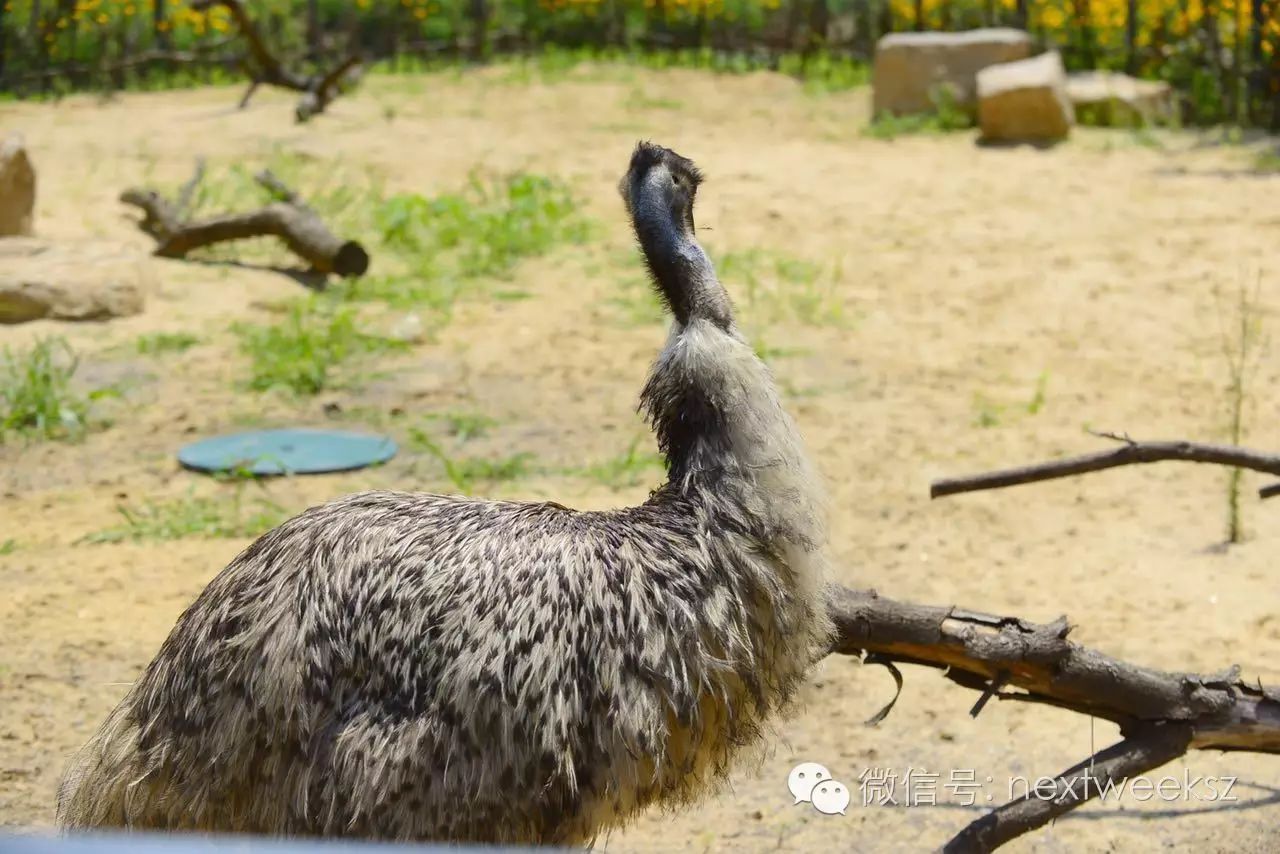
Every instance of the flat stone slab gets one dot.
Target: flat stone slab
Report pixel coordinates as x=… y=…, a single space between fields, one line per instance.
x=1111 y=99
x=69 y=281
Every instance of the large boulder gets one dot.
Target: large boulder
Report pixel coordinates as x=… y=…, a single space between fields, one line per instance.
x=39 y=279
x=1025 y=101
x=910 y=68
x=17 y=187
x=1110 y=99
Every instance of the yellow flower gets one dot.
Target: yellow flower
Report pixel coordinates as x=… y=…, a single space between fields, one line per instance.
x=419 y=13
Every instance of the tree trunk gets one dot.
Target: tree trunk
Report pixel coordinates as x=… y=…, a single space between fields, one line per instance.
x=4 y=13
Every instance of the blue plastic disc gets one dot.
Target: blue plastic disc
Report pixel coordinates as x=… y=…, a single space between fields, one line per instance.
x=293 y=451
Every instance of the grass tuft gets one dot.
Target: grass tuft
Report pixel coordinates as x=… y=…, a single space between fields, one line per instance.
x=158 y=343
x=37 y=399
x=192 y=516
x=300 y=352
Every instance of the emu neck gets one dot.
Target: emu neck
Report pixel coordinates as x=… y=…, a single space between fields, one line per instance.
x=726 y=437
x=681 y=271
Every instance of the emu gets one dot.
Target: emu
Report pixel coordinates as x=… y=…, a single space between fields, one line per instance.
x=423 y=667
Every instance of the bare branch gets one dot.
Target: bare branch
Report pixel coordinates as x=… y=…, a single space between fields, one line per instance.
x=1130 y=453
x=1100 y=773
x=270 y=69
x=1161 y=714
x=318 y=91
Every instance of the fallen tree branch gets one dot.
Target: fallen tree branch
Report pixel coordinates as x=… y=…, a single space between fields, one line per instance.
x=289 y=219
x=1162 y=715
x=1102 y=772
x=1129 y=453
x=318 y=90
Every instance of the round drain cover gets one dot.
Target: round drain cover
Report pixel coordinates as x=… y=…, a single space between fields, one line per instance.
x=291 y=451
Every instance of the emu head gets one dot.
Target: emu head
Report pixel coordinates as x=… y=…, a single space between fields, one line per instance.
x=658 y=191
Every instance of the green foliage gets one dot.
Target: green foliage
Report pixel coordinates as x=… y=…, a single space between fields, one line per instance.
x=1267 y=161
x=488 y=227
x=192 y=516
x=37 y=398
x=823 y=71
x=1214 y=54
x=8 y=546
x=945 y=117
x=158 y=343
x=300 y=353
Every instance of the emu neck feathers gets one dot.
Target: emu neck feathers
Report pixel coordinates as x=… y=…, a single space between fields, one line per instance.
x=680 y=269
x=722 y=428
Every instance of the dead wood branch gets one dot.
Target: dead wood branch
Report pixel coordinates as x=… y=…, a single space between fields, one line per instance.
x=289 y=219
x=1129 y=453
x=318 y=90
x=1100 y=773
x=1162 y=715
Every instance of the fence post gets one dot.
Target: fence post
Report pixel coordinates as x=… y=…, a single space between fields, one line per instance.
x=480 y=29
x=1131 y=36
x=1258 y=76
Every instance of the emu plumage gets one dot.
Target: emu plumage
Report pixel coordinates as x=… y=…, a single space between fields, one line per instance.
x=408 y=666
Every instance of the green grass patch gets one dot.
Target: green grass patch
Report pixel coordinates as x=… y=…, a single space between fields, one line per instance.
x=159 y=343
x=37 y=398
x=1267 y=161
x=945 y=117
x=192 y=516
x=486 y=228
x=301 y=352
x=627 y=469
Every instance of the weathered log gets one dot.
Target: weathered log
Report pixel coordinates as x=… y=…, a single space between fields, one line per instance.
x=289 y=219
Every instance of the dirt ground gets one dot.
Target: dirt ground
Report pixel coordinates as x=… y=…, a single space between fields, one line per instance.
x=963 y=280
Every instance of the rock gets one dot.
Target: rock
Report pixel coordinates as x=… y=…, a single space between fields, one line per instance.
x=910 y=67
x=408 y=329
x=17 y=187
x=1110 y=99
x=1025 y=101
x=71 y=281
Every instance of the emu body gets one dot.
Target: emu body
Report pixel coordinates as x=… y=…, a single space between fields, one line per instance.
x=409 y=666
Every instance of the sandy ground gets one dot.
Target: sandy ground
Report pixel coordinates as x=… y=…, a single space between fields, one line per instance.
x=961 y=276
